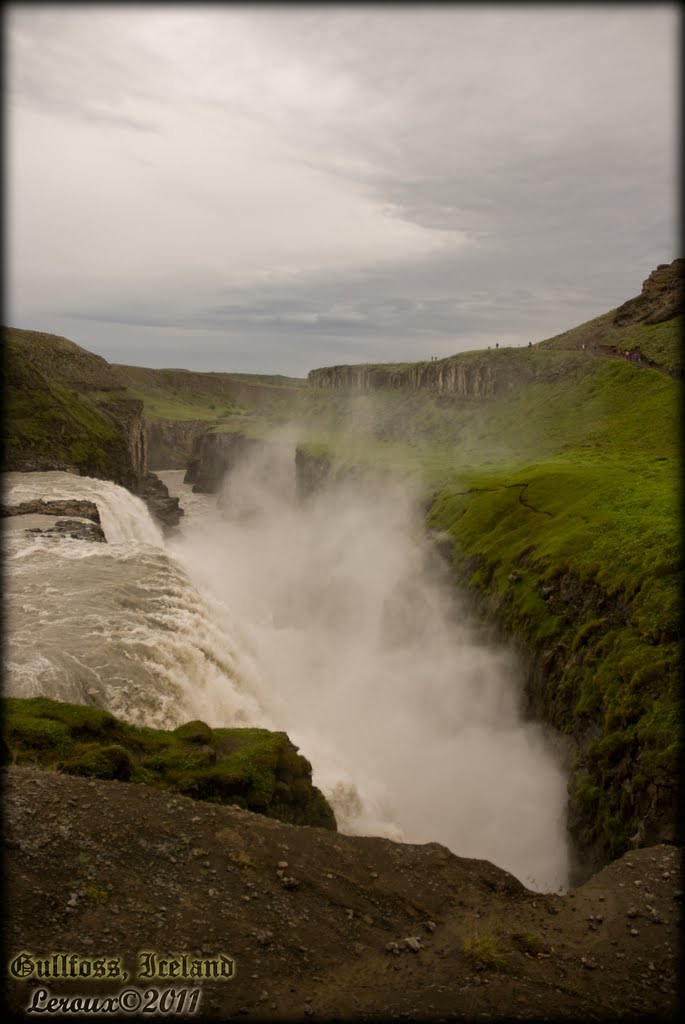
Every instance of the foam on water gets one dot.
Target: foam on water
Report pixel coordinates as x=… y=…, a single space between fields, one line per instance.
x=325 y=621
x=120 y=624
x=410 y=718
x=123 y=516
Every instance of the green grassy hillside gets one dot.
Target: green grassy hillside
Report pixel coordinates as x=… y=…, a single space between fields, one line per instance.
x=562 y=499
x=557 y=478
x=182 y=395
x=58 y=412
x=659 y=342
x=252 y=768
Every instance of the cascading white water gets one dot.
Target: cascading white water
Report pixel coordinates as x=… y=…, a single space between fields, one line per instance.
x=123 y=516
x=410 y=718
x=120 y=624
x=323 y=620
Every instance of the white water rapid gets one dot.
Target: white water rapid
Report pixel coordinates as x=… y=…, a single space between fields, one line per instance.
x=325 y=619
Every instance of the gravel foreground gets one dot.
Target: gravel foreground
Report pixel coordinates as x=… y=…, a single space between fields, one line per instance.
x=123 y=881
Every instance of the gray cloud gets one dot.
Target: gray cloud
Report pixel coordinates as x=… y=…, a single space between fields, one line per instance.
x=311 y=185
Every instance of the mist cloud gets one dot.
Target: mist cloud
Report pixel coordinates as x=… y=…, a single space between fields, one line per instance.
x=378 y=672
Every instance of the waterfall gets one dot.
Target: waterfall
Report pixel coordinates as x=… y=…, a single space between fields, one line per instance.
x=324 y=620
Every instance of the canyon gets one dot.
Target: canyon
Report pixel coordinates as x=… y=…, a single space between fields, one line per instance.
x=547 y=477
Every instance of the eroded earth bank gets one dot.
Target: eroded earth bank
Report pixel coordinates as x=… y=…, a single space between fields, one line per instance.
x=320 y=925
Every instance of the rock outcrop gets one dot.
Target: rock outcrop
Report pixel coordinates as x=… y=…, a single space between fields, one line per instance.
x=471 y=375
x=216 y=455
x=485 y=374
x=212 y=456
x=68 y=411
x=257 y=769
x=156 y=496
x=85 y=527
x=169 y=442
x=661 y=297
x=315 y=470
x=84 y=509
x=75 y=529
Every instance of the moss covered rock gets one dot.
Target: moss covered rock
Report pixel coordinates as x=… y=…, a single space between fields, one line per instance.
x=252 y=768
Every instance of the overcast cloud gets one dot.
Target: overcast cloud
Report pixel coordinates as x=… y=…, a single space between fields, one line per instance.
x=268 y=189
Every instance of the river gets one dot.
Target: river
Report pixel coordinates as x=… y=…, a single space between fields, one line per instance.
x=328 y=620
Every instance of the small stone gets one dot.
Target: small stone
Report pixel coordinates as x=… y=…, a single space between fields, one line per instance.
x=634 y=931
x=631 y=912
x=413 y=942
x=283 y=864
x=429 y=926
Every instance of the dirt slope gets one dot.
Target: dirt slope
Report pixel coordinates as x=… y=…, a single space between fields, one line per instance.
x=111 y=869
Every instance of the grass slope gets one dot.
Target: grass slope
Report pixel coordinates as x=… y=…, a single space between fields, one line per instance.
x=252 y=768
x=561 y=496
x=562 y=499
x=183 y=395
x=47 y=422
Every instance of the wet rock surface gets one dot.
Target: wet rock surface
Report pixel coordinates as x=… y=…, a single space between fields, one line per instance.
x=75 y=529
x=156 y=496
x=63 y=507
x=320 y=924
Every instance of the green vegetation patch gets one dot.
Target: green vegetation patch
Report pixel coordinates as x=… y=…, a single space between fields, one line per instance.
x=484 y=951
x=583 y=562
x=252 y=768
x=561 y=495
x=47 y=422
x=186 y=395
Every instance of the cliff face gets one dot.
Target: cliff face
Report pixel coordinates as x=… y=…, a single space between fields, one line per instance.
x=66 y=410
x=216 y=456
x=169 y=442
x=127 y=413
x=613 y=802
x=475 y=375
x=661 y=297
x=485 y=374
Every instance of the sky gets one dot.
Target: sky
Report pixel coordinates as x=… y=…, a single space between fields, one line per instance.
x=274 y=188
